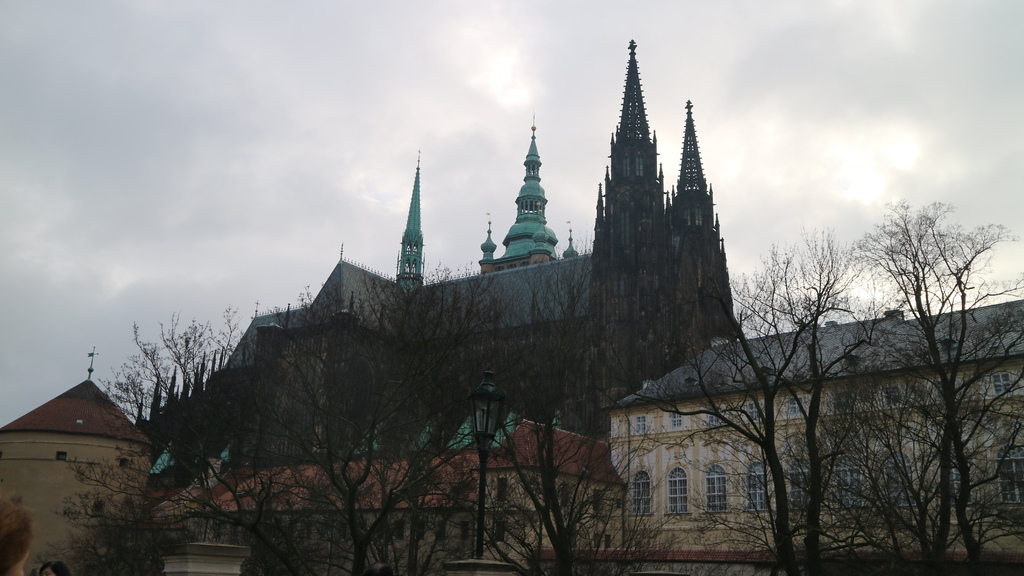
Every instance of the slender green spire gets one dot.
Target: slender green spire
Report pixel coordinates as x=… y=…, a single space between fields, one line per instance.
x=410 y=263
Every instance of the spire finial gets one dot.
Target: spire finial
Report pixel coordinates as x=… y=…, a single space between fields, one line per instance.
x=92 y=356
x=534 y=126
x=418 y=154
x=632 y=48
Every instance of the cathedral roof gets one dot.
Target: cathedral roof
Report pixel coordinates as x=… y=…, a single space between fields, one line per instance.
x=84 y=409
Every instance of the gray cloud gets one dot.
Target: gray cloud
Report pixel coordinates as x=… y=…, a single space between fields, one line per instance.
x=157 y=157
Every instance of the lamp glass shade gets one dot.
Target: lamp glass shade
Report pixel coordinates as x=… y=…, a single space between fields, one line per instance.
x=487 y=403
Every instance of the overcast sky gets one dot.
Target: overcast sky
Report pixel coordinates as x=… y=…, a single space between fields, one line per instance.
x=185 y=157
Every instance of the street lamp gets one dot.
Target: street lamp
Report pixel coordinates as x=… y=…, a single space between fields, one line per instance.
x=487 y=402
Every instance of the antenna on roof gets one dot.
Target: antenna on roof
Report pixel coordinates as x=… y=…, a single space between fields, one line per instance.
x=92 y=356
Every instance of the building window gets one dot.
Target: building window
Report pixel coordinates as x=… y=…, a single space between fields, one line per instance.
x=713 y=421
x=844 y=402
x=899 y=476
x=793 y=408
x=716 y=489
x=750 y=409
x=639 y=164
x=799 y=478
x=502 y=489
x=848 y=479
x=1011 y=475
x=757 y=487
x=677 y=491
x=641 y=493
x=892 y=397
x=640 y=424
x=62 y=455
x=675 y=421
x=464 y=530
x=1002 y=383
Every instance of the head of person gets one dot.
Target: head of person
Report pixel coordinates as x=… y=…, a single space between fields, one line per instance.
x=15 y=537
x=55 y=568
x=378 y=569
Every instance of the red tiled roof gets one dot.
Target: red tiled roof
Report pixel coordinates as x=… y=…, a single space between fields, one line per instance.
x=574 y=454
x=84 y=409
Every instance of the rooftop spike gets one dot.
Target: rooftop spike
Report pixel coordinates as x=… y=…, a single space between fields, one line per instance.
x=633 y=122
x=410 y=263
x=691 y=172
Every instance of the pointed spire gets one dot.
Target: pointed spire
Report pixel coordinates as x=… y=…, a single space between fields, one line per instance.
x=633 y=122
x=691 y=172
x=410 y=262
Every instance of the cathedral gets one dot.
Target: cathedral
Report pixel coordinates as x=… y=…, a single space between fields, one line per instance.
x=652 y=292
x=659 y=284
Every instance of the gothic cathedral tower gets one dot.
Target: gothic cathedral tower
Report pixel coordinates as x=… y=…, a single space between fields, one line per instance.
x=653 y=258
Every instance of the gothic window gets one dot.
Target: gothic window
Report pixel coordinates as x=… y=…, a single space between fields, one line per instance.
x=757 y=487
x=641 y=493
x=639 y=164
x=697 y=220
x=715 y=488
x=625 y=166
x=677 y=491
x=1011 y=475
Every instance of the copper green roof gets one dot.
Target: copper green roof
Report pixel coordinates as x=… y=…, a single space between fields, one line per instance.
x=530 y=233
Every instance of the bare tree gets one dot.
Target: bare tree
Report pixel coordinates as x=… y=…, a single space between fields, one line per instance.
x=960 y=356
x=795 y=330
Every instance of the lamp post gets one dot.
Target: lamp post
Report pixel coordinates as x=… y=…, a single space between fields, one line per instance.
x=487 y=402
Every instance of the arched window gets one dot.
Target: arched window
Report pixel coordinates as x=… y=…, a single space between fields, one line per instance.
x=757 y=487
x=677 y=496
x=1011 y=474
x=716 y=489
x=639 y=164
x=641 y=493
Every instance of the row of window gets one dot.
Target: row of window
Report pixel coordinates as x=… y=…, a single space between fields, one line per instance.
x=848 y=476
x=716 y=493
x=842 y=401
